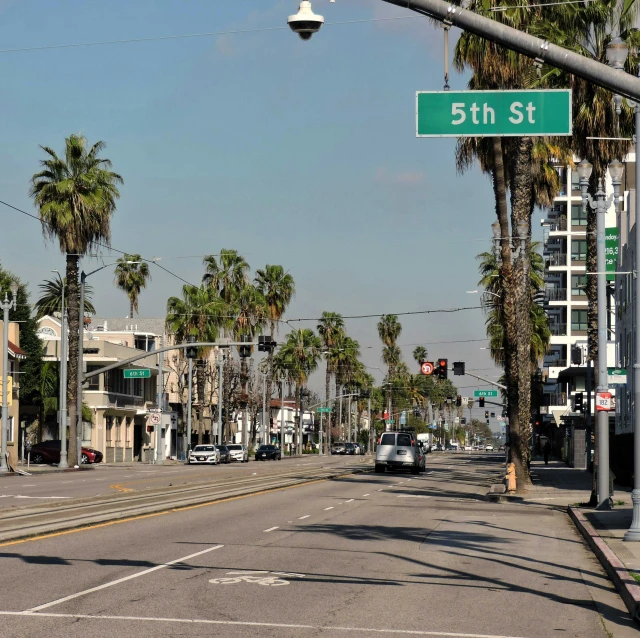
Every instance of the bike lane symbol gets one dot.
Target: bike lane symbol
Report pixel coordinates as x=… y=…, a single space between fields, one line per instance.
x=264 y=578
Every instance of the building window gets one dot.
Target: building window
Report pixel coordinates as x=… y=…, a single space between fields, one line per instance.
x=94 y=382
x=127 y=431
x=579 y=250
x=579 y=320
x=10 y=430
x=575 y=182
x=118 y=421
x=108 y=423
x=578 y=215
x=578 y=285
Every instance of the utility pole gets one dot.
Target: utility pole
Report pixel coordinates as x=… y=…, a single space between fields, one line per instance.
x=80 y=371
x=6 y=305
x=159 y=402
x=62 y=401
x=349 y=422
x=371 y=428
x=282 y=440
x=220 y=393
x=265 y=429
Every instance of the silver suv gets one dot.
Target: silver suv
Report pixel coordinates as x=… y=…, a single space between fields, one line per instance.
x=399 y=450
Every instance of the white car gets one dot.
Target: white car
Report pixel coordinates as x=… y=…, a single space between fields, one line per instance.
x=238 y=452
x=488 y=448
x=204 y=454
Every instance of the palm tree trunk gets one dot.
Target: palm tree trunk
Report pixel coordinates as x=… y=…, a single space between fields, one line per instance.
x=521 y=209
x=130 y=309
x=269 y=387
x=72 y=366
x=508 y=309
x=327 y=390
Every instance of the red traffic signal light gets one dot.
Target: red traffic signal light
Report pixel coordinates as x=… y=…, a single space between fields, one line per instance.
x=442 y=368
x=481 y=402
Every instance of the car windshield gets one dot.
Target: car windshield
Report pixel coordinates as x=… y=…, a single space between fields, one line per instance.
x=267 y=447
x=203 y=448
x=388 y=439
x=234 y=447
x=224 y=448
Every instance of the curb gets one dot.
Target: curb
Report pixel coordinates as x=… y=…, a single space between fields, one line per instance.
x=626 y=585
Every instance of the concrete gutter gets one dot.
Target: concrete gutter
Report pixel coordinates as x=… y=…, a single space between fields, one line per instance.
x=626 y=585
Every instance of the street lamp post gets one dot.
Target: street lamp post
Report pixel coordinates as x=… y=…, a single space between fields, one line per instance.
x=6 y=305
x=191 y=354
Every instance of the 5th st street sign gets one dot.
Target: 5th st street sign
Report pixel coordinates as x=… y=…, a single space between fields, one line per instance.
x=493 y=113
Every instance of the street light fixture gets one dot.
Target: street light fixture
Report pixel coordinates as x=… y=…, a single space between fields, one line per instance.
x=6 y=305
x=616 y=52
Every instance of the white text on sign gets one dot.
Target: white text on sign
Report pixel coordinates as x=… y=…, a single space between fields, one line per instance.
x=489 y=115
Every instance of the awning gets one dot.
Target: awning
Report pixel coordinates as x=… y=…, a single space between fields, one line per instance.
x=572 y=372
x=16 y=352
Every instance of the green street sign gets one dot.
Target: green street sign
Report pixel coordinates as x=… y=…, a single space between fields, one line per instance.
x=324 y=409
x=611 y=252
x=493 y=113
x=391 y=421
x=485 y=393
x=142 y=373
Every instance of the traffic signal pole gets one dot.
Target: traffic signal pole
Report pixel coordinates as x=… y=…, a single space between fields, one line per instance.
x=599 y=73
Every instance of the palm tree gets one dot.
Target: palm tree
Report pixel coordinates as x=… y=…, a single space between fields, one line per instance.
x=278 y=289
x=50 y=301
x=131 y=277
x=76 y=196
x=199 y=313
x=389 y=329
x=227 y=275
x=302 y=352
x=420 y=355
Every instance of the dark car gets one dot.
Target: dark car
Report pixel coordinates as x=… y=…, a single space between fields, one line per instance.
x=268 y=452
x=350 y=448
x=49 y=452
x=225 y=454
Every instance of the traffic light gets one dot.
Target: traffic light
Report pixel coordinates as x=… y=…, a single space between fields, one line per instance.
x=486 y=414
x=578 y=399
x=481 y=402
x=245 y=351
x=265 y=344
x=192 y=352
x=458 y=368
x=364 y=394
x=458 y=401
x=442 y=368
x=488 y=422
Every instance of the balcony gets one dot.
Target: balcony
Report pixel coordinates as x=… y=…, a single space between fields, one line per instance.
x=555 y=294
x=559 y=225
x=558 y=329
x=558 y=398
x=556 y=260
x=559 y=362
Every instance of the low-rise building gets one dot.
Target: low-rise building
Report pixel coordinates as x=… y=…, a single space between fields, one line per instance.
x=15 y=356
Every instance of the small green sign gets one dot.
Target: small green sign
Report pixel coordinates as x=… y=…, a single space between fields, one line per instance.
x=611 y=252
x=391 y=421
x=324 y=409
x=133 y=373
x=485 y=393
x=493 y=113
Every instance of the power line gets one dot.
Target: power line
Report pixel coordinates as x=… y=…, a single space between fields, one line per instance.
x=186 y=36
x=398 y=314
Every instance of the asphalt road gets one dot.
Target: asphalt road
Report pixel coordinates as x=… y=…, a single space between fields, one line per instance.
x=102 y=480
x=357 y=556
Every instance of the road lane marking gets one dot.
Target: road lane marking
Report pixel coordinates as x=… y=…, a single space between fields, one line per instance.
x=269 y=579
x=122 y=580
x=414 y=496
x=380 y=490
x=241 y=623
x=328 y=508
x=270 y=529
x=366 y=495
x=349 y=501
x=30 y=485
x=303 y=517
x=42 y=497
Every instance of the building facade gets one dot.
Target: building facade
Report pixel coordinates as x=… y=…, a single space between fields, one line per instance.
x=16 y=355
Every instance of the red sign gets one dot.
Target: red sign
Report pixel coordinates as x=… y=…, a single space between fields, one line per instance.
x=385 y=416
x=603 y=401
x=427 y=367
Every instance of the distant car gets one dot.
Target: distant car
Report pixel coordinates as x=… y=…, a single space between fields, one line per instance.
x=438 y=447
x=225 y=454
x=204 y=454
x=338 y=448
x=49 y=452
x=239 y=452
x=488 y=448
x=350 y=448
x=268 y=453
x=501 y=448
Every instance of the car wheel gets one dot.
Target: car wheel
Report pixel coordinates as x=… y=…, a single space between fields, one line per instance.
x=379 y=469
x=85 y=459
x=415 y=470
x=37 y=458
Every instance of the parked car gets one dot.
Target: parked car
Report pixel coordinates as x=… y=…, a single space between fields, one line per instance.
x=225 y=454
x=338 y=448
x=239 y=452
x=204 y=454
x=399 y=450
x=268 y=453
x=438 y=447
x=49 y=452
x=488 y=448
x=350 y=448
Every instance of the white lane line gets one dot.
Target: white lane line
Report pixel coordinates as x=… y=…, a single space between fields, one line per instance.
x=417 y=496
x=42 y=497
x=328 y=508
x=380 y=490
x=122 y=580
x=270 y=529
x=64 y=482
x=241 y=623
x=30 y=485
x=303 y=517
x=349 y=501
x=366 y=495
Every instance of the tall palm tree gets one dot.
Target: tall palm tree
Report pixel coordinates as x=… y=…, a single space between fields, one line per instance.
x=50 y=300
x=420 y=355
x=76 y=197
x=227 y=275
x=278 y=289
x=131 y=277
x=302 y=352
x=198 y=313
x=389 y=329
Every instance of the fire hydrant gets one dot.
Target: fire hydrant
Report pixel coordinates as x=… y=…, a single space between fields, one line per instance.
x=511 y=477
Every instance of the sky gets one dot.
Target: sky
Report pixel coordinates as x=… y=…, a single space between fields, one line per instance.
x=292 y=152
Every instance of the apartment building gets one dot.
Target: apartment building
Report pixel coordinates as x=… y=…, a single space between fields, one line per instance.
x=16 y=355
x=565 y=303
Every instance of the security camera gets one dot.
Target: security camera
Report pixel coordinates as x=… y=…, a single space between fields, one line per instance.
x=305 y=23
